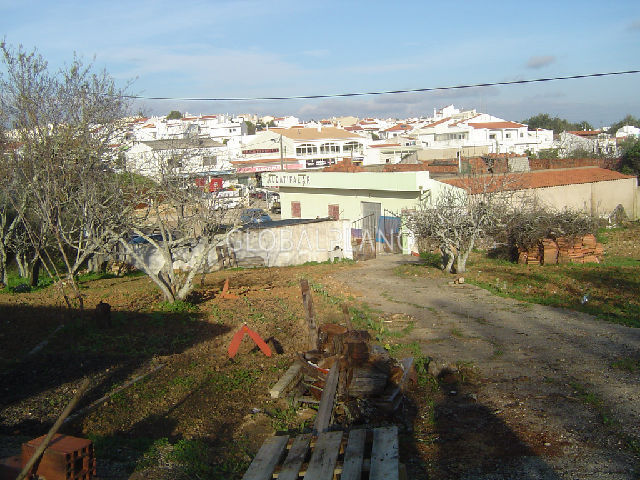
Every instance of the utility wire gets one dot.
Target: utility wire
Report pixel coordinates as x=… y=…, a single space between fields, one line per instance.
x=389 y=92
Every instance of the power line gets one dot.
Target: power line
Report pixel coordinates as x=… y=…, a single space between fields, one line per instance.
x=389 y=92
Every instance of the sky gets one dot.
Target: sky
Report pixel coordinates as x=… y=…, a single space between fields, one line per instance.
x=252 y=48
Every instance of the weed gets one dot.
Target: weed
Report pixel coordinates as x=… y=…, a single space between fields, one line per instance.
x=457 y=333
x=591 y=399
x=629 y=364
x=187 y=382
x=240 y=379
x=421 y=363
x=179 y=306
x=413 y=348
x=193 y=456
x=498 y=352
x=283 y=420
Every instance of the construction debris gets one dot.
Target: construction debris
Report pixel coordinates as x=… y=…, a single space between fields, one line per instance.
x=239 y=335
x=560 y=250
x=225 y=292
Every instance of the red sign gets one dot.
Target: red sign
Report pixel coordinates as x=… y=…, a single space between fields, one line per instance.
x=215 y=184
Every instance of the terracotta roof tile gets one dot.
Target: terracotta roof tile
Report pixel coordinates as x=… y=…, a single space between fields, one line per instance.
x=437 y=123
x=496 y=125
x=383 y=145
x=541 y=179
x=585 y=133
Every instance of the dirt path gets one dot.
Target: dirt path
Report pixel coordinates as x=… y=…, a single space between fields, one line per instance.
x=544 y=374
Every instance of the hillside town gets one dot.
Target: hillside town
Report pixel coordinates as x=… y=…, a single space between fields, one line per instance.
x=210 y=145
x=448 y=294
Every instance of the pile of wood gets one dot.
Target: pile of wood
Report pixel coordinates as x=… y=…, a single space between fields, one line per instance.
x=551 y=251
x=368 y=383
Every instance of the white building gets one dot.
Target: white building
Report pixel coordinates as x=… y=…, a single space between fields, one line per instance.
x=628 y=131
x=194 y=157
x=299 y=148
x=470 y=129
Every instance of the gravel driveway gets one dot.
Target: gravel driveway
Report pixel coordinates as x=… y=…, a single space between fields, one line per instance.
x=546 y=373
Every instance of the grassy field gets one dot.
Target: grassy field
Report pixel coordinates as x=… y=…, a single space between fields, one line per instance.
x=609 y=290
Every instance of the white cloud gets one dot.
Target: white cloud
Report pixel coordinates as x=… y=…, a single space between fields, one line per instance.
x=540 y=61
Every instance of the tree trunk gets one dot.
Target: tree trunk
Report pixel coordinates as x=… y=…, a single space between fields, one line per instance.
x=447 y=258
x=23 y=267
x=4 y=277
x=35 y=272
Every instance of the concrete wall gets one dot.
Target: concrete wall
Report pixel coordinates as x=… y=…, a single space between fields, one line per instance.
x=448 y=153
x=274 y=247
x=294 y=244
x=598 y=198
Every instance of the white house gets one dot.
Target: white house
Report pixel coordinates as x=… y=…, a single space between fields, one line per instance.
x=470 y=129
x=177 y=156
x=628 y=131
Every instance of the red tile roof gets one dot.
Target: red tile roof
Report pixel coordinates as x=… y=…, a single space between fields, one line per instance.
x=382 y=145
x=585 y=133
x=399 y=127
x=496 y=125
x=437 y=123
x=537 y=179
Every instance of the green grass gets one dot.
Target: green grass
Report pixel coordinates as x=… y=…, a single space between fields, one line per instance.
x=179 y=306
x=233 y=380
x=402 y=349
x=13 y=280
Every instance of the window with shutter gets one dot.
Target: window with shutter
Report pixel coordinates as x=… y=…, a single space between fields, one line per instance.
x=334 y=212
x=295 y=210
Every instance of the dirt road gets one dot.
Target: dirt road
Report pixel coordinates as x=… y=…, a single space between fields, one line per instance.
x=545 y=376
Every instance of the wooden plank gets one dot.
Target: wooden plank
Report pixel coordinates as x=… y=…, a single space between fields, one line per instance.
x=325 y=454
x=347 y=316
x=287 y=381
x=353 y=455
x=325 y=410
x=267 y=458
x=384 y=454
x=310 y=314
x=297 y=453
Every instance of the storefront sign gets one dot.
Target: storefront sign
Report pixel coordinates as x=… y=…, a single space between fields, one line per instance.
x=285 y=179
x=268 y=168
x=260 y=150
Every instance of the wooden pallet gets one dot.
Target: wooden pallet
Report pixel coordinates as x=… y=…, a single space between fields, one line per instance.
x=329 y=454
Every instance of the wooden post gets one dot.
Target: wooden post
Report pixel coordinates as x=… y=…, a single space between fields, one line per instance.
x=347 y=316
x=45 y=443
x=309 y=313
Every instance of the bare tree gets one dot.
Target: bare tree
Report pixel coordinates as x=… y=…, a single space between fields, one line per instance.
x=469 y=209
x=177 y=226
x=64 y=123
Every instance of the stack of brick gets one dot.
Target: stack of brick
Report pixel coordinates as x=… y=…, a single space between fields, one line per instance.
x=562 y=250
x=66 y=458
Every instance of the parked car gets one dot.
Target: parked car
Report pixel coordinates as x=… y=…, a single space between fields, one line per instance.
x=139 y=240
x=254 y=215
